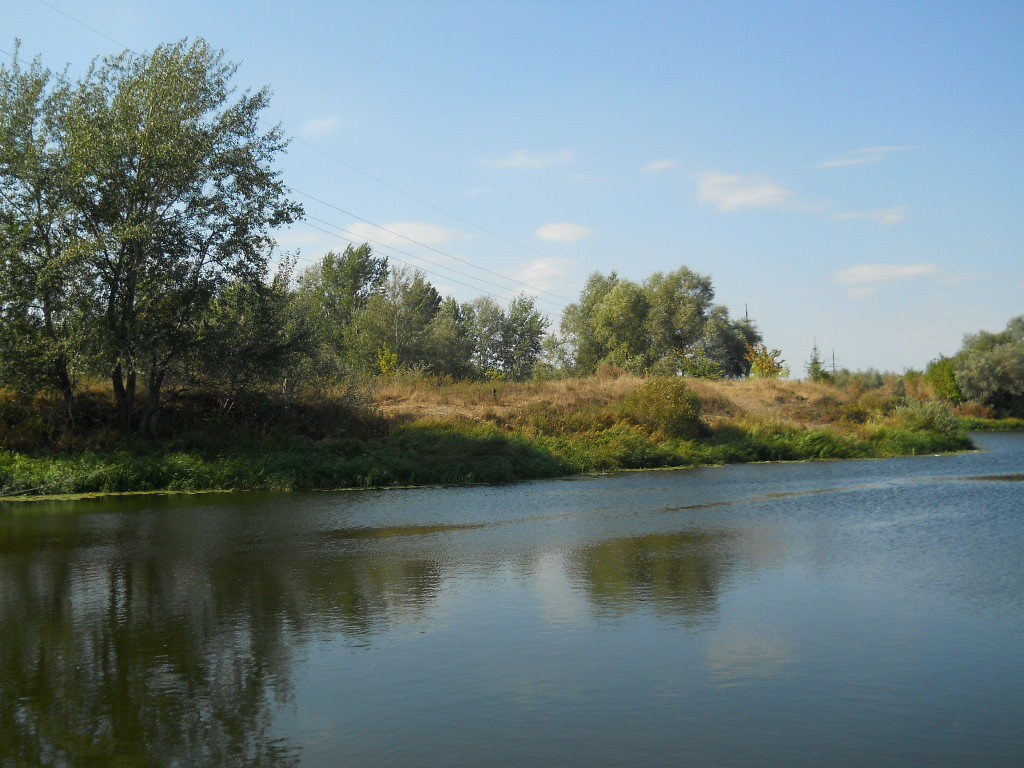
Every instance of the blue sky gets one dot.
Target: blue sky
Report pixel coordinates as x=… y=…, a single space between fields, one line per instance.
x=851 y=172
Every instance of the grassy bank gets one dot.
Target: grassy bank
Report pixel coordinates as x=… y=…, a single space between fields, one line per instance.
x=483 y=433
x=978 y=424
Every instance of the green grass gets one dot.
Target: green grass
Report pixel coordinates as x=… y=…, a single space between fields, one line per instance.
x=978 y=424
x=442 y=452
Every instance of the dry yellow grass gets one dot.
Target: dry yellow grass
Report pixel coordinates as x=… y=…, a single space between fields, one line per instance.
x=410 y=399
x=795 y=402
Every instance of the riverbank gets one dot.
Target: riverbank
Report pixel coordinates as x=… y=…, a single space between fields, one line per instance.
x=484 y=433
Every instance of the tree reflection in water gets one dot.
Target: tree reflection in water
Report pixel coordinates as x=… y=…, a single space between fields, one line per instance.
x=124 y=647
x=171 y=638
x=677 y=574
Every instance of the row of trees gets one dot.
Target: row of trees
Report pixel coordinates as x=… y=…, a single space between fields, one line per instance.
x=363 y=316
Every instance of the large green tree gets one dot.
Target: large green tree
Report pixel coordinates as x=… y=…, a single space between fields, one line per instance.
x=176 y=194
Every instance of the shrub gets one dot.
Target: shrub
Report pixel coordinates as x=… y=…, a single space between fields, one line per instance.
x=665 y=404
x=932 y=416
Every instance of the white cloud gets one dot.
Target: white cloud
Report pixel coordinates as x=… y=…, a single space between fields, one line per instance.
x=859 y=157
x=884 y=273
x=400 y=233
x=893 y=215
x=732 y=192
x=563 y=232
x=864 y=279
x=657 y=166
x=528 y=158
x=477 y=191
x=319 y=126
x=862 y=291
x=544 y=273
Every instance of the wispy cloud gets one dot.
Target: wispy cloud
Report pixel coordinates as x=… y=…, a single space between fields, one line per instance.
x=400 y=233
x=732 y=192
x=563 y=232
x=859 y=157
x=319 y=126
x=544 y=273
x=893 y=215
x=528 y=158
x=657 y=166
x=478 y=191
x=865 y=279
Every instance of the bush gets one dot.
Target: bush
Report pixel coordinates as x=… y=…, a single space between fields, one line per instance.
x=665 y=404
x=932 y=416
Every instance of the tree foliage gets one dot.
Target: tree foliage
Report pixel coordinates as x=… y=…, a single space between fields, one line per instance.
x=153 y=189
x=988 y=369
x=662 y=325
x=765 y=363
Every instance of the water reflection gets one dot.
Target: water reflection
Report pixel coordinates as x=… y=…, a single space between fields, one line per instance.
x=426 y=627
x=161 y=654
x=670 y=573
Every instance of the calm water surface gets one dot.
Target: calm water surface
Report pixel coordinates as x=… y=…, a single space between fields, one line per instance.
x=865 y=613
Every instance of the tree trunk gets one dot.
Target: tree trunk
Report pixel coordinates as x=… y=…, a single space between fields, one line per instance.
x=147 y=424
x=65 y=386
x=124 y=395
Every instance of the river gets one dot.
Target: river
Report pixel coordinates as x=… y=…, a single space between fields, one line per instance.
x=856 y=613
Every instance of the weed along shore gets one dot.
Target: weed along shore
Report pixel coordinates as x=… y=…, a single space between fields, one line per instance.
x=421 y=431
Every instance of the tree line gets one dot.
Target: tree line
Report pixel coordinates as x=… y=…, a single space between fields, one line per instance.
x=138 y=206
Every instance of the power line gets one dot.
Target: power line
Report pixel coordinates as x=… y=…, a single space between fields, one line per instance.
x=16 y=58
x=418 y=199
x=401 y=261
x=425 y=245
x=79 y=21
x=387 y=184
x=350 y=234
